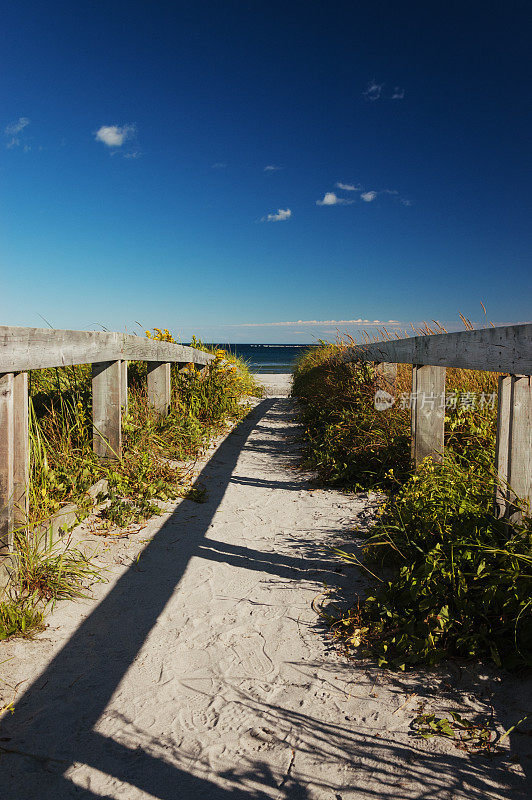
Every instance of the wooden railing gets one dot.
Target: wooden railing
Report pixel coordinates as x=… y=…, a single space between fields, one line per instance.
x=504 y=350
x=23 y=349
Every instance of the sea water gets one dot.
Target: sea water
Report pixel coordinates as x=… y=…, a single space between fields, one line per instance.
x=268 y=358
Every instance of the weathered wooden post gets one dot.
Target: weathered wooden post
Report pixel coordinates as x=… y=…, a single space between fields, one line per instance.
x=123 y=386
x=159 y=386
x=388 y=372
x=428 y=413
x=514 y=445
x=106 y=409
x=7 y=430
x=14 y=455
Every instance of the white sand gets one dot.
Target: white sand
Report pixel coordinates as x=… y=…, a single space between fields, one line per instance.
x=201 y=670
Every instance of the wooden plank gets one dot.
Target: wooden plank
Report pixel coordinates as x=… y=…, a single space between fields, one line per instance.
x=123 y=387
x=37 y=348
x=502 y=444
x=504 y=349
x=388 y=373
x=520 y=445
x=428 y=413
x=106 y=409
x=159 y=386
x=7 y=429
x=21 y=449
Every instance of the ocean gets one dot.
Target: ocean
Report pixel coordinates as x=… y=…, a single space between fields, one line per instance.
x=268 y=358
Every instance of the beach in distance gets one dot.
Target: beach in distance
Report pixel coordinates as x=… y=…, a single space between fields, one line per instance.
x=268 y=358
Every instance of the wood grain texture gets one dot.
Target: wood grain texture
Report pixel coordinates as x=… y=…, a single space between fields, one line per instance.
x=428 y=413
x=7 y=428
x=37 y=348
x=21 y=449
x=123 y=387
x=520 y=444
x=107 y=409
x=502 y=443
x=388 y=375
x=159 y=388
x=504 y=349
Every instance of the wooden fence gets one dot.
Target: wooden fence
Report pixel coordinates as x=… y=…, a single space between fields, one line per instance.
x=23 y=349
x=506 y=350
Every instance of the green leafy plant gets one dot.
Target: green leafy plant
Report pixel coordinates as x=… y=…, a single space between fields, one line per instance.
x=449 y=578
x=473 y=737
x=63 y=467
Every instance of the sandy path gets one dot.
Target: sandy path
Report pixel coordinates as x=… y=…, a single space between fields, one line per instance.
x=199 y=670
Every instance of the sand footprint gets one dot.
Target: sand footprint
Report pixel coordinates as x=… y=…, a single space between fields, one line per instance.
x=250 y=657
x=197 y=719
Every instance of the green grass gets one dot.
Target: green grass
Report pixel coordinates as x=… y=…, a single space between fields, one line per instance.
x=448 y=577
x=152 y=468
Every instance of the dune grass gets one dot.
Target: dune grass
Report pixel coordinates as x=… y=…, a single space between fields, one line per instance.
x=449 y=578
x=155 y=466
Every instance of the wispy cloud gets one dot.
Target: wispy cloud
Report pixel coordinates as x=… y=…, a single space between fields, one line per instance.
x=12 y=131
x=115 y=135
x=347 y=187
x=332 y=199
x=279 y=216
x=375 y=91
x=357 y=322
x=16 y=127
x=272 y=168
x=219 y=165
x=369 y=197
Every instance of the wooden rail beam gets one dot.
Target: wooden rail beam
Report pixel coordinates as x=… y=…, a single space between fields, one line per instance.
x=428 y=413
x=159 y=386
x=504 y=349
x=38 y=348
x=107 y=409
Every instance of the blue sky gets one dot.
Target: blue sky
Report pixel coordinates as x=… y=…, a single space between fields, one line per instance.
x=265 y=171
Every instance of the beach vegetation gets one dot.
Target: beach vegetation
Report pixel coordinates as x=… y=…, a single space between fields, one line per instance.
x=448 y=578
x=155 y=467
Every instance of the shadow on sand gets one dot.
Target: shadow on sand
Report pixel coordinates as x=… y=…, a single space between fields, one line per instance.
x=54 y=727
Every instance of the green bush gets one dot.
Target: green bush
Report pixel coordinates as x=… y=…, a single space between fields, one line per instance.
x=450 y=578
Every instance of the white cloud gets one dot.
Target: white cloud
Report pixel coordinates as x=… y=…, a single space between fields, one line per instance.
x=358 y=322
x=271 y=168
x=219 y=165
x=13 y=129
x=16 y=127
x=332 y=199
x=373 y=91
x=347 y=187
x=114 y=135
x=280 y=215
x=368 y=197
